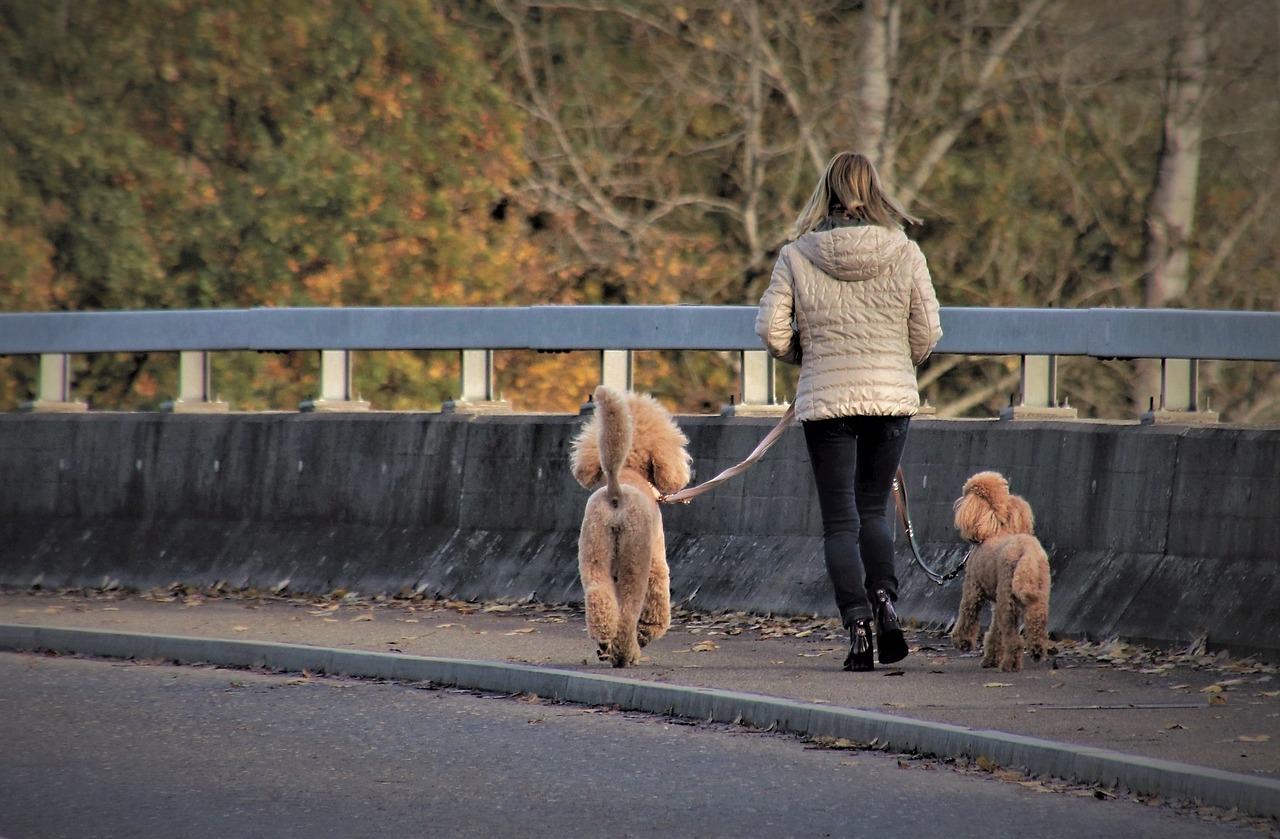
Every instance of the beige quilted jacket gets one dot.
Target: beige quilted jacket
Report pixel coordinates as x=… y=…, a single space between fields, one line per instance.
x=855 y=308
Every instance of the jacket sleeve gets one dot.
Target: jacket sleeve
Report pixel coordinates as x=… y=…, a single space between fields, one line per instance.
x=776 y=314
x=924 y=329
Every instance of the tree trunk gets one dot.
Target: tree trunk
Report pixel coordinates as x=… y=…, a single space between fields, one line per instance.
x=1171 y=214
x=874 y=86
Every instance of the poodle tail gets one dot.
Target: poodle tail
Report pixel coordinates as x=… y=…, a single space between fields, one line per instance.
x=617 y=432
x=1030 y=575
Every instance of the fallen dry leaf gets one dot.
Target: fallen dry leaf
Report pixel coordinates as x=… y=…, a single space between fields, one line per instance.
x=997 y=685
x=826 y=742
x=1254 y=738
x=524 y=631
x=359 y=618
x=704 y=647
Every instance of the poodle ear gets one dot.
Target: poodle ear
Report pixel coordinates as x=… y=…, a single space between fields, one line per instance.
x=671 y=470
x=659 y=444
x=584 y=457
x=1020 y=517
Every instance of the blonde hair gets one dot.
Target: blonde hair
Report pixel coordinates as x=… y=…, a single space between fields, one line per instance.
x=850 y=188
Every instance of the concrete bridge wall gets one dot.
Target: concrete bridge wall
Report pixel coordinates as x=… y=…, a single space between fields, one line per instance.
x=1155 y=533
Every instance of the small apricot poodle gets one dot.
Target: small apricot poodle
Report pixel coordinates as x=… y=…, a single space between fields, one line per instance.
x=634 y=448
x=1007 y=566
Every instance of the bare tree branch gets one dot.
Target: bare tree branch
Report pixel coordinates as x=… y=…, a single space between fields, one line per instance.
x=971 y=103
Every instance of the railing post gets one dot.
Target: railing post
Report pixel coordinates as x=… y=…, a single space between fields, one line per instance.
x=476 y=383
x=54 y=389
x=1179 y=394
x=195 y=391
x=335 y=385
x=1038 y=391
x=616 y=368
x=757 y=396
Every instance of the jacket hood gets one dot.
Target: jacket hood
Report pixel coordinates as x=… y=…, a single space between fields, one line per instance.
x=853 y=253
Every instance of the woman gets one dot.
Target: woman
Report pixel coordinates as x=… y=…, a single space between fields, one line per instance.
x=851 y=302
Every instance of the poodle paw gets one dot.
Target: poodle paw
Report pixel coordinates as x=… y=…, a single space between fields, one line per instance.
x=1011 y=662
x=623 y=660
x=625 y=654
x=1039 y=649
x=964 y=645
x=604 y=651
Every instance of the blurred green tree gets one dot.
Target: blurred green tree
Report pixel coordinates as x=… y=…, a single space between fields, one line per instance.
x=181 y=154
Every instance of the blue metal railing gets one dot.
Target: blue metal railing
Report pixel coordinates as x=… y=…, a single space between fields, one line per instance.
x=1037 y=336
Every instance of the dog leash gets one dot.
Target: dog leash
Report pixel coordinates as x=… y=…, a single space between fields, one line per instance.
x=904 y=515
x=688 y=493
x=684 y=496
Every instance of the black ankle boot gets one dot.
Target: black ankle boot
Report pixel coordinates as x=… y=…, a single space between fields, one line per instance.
x=889 y=637
x=860 y=658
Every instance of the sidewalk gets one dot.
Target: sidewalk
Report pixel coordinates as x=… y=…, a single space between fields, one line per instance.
x=1184 y=725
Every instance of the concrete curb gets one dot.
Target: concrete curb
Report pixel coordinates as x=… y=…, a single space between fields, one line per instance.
x=1172 y=780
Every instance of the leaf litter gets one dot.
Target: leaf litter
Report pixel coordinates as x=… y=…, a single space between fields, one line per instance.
x=1112 y=653
x=1066 y=652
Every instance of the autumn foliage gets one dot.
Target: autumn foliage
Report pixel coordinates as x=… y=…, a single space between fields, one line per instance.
x=177 y=154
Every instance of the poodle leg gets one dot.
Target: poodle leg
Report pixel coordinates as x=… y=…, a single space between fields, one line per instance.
x=991 y=643
x=655 y=616
x=1036 y=629
x=635 y=555
x=1004 y=623
x=595 y=568
x=964 y=636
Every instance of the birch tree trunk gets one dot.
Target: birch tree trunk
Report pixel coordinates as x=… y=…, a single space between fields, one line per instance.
x=871 y=118
x=1171 y=214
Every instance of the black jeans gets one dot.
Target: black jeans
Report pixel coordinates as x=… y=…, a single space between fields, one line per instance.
x=854 y=462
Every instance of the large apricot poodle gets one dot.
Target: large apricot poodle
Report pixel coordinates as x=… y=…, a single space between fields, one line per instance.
x=633 y=451
x=1007 y=566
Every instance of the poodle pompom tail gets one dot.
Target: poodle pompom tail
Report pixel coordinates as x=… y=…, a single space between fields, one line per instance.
x=617 y=432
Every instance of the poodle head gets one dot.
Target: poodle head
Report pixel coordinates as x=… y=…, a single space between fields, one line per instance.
x=658 y=446
x=658 y=450
x=986 y=509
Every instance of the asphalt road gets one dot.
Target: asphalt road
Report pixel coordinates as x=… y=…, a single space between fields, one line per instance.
x=121 y=749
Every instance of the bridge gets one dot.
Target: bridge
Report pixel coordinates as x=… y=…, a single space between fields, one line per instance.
x=1164 y=530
